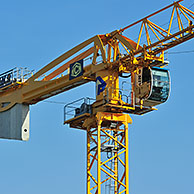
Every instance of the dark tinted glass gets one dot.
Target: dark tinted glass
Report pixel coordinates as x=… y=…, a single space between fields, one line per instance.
x=161 y=85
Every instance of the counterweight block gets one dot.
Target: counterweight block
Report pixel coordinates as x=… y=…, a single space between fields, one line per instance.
x=14 y=123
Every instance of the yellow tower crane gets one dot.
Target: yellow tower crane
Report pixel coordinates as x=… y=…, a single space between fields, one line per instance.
x=107 y=60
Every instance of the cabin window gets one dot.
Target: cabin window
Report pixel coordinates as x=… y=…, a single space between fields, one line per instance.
x=161 y=85
x=146 y=75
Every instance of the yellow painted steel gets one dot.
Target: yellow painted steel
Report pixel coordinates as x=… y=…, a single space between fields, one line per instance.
x=101 y=169
x=99 y=157
x=115 y=161
x=112 y=88
x=126 y=157
x=88 y=162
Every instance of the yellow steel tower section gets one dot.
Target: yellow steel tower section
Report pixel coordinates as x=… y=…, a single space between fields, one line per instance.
x=107 y=153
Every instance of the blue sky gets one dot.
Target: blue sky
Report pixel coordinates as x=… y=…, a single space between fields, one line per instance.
x=35 y=32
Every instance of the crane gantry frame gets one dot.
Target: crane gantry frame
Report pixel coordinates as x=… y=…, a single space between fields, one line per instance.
x=107 y=123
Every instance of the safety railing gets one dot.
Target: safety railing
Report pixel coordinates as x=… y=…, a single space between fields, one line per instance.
x=16 y=75
x=78 y=107
x=124 y=94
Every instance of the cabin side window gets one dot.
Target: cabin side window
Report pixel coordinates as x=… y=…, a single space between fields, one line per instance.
x=161 y=85
x=146 y=75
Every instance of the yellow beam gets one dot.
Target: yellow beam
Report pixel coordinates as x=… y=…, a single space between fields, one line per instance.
x=113 y=138
x=99 y=157
x=126 y=157
x=124 y=41
x=61 y=58
x=113 y=177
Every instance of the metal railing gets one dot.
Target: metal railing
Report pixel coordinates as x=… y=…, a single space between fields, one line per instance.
x=78 y=107
x=14 y=75
x=123 y=94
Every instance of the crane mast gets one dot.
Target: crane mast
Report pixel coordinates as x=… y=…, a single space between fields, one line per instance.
x=107 y=60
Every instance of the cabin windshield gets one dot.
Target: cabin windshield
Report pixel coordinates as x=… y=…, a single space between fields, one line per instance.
x=161 y=85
